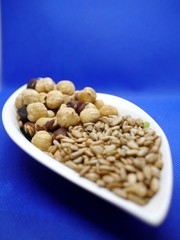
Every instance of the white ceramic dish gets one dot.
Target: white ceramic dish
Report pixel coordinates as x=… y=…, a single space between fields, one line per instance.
x=154 y=212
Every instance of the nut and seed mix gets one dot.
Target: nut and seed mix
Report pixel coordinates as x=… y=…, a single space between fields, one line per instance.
x=119 y=153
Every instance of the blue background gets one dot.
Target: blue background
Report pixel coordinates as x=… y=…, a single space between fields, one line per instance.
x=127 y=48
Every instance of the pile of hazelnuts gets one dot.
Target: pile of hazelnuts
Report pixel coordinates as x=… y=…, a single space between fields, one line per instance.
x=45 y=109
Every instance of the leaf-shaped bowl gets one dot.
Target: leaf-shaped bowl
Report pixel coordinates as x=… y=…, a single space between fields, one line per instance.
x=152 y=213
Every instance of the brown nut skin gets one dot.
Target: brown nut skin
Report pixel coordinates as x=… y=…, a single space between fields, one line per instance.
x=66 y=87
x=108 y=110
x=88 y=94
x=59 y=132
x=54 y=99
x=35 y=111
x=42 y=140
x=45 y=85
x=29 y=129
x=67 y=117
x=32 y=83
x=77 y=106
x=22 y=114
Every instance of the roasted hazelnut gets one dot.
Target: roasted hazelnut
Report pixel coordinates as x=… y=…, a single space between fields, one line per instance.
x=42 y=140
x=29 y=129
x=42 y=97
x=48 y=124
x=73 y=104
x=66 y=87
x=90 y=105
x=67 y=117
x=45 y=85
x=29 y=96
x=50 y=114
x=81 y=107
x=19 y=101
x=88 y=94
x=108 y=110
x=54 y=99
x=89 y=115
x=35 y=111
x=75 y=95
x=63 y=106
x=67 y=98
x=32 y=83
x=99 y=103
x=58 y=133
x=22 y=114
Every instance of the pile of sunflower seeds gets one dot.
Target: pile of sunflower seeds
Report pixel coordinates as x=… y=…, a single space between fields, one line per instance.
x=117 y=153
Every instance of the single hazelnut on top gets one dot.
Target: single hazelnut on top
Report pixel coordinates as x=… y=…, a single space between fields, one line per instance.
x=45 y=85
x=54 y=99
x=66 y=87
x=88 y=94
x=67 y=117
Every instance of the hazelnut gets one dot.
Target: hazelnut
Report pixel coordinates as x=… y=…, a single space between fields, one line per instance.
x=54 y=99
x=45 y=85
x=108 y=110
x=75 y=95
x=22 y=114
x=50 y=114
x=35 y=111
x=73 y=104
x=66 y=87
x=67 y=117
x=19 y=101
x=67 y=98
x=29 y=129
x=29 y=96
x=81 y=107
x=47 y=124
x=88 y=94
x=57 y=134
x=32 y=83
x=63 y=106
x=99 y=103
x=89 y=115
x=42 y=140
x=42 y=97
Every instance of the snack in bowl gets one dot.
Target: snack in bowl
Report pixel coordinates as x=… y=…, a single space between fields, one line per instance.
x=119 y=153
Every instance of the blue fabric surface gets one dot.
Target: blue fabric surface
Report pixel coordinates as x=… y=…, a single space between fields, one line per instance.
x=126 y=48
